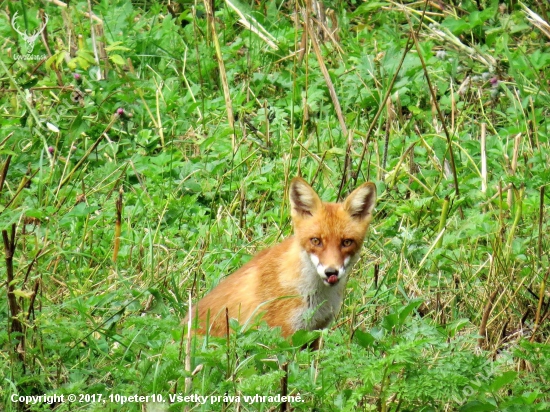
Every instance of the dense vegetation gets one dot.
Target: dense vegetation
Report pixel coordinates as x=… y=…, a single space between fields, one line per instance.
x=145 y=155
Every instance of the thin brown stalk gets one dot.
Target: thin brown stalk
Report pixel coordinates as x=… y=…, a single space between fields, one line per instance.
x=387 y=136
x=118 y=224
x=221 y=66
x=33 y=298
x=99 y=34
x=29 y=269
x=188 y=379
x=242 y=210
x=434 y=99
x=483 y=157
x=5 y=172
x=408 y=47
x=541 y=215
x=90 y=150
x=485 y=318
x=16 y=325
x=330 y=85
x=9 y=135
x=543 y=10
x=228 y=343
x=45 y=42
x=542 y=289
x=347 y=160
x=39 y=89
x=267 y=137
x=534 y=128
x=24 y=183
x=513 y=168
x=500 y=208
x=284 y=388
x=453 y=108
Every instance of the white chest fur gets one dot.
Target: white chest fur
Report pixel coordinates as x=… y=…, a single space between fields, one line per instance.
x=321 y=301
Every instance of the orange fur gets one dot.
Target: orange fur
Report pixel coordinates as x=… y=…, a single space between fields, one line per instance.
x=299 y=283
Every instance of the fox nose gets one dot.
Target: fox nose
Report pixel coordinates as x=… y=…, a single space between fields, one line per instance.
x=332 y=276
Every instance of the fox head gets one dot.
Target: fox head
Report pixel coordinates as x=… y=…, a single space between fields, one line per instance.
x=331 y=234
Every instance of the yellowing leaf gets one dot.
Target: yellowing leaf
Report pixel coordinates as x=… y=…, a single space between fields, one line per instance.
x=55 y=60
x=50 y=61
x=23 y=293
x=72 y=64
x=117 y=59
x=116 y=46
x=60 y=56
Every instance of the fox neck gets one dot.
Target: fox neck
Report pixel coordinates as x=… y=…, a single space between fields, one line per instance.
x=321 y=301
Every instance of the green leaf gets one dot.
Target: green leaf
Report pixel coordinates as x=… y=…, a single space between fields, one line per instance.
x=303 y=337
x=455 y=26
x=477 y=18
x=336 y=150
x=364 y=339
x=390 y=321
x=116 y=46
x=502 y=380
x=369 y=7
x=50 y=61
x=530 y=397
x=477 y=406
x=117 y=59
x=452 y=328
x=60 y=57
x=539 y=60
x=404 y=312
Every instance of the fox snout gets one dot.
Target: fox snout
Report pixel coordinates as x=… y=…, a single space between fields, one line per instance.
x=332 y=276
x=331 y=273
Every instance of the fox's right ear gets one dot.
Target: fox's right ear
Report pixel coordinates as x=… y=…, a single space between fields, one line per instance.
x=303 y=199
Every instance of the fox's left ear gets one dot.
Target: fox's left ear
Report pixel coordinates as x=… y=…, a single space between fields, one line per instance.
x=360 y=203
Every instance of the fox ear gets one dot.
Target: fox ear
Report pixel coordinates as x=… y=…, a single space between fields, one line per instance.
x=303 y=199
x=360 y=203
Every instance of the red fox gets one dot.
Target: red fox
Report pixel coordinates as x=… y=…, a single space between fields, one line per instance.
x=299 y=283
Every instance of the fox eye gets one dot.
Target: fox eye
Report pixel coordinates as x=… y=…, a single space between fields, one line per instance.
x=347 y=242
x=315 y=241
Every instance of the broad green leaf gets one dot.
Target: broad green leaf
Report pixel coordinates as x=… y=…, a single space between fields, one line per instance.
x=117 y=59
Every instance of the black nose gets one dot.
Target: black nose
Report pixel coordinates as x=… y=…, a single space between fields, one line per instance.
x=329 y=272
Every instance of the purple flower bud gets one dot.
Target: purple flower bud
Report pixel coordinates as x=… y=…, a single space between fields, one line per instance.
x=77 y=76
x=494 y=81
x=51 y=149
x=120 y=111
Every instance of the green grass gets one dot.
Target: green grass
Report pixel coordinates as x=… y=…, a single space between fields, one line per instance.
x=448 y=308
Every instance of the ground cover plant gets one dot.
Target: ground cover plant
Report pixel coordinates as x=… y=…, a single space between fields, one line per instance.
x=145 y=150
